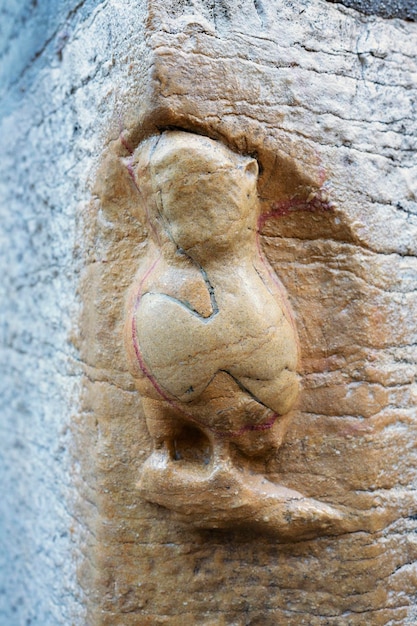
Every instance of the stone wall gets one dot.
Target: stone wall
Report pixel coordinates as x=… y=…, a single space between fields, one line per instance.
x=323 y=96
x=57 y=100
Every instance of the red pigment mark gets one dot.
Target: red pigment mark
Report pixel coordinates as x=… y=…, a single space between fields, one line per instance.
x=352 y=430
x=131 y=173
x=287 y=311
x=135 y=342
x=321 y=169
x=125 y=143
x=163 y=394
x=317 y=202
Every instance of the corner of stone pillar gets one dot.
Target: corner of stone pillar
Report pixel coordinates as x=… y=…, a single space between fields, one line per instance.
x=324 y=210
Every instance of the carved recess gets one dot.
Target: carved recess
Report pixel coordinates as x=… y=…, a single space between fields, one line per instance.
x=212 y=343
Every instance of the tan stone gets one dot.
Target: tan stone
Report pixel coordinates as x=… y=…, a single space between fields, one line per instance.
x=212 y=343
x=292 y=93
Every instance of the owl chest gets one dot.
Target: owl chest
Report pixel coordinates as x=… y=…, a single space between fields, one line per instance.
x=184 y=350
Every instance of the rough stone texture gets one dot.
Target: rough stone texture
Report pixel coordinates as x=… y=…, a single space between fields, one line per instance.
x=324 y=98
x=55 y=92
x=212 y=343
x=405 y=9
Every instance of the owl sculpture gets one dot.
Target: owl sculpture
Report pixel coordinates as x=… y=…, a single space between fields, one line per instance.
x=212 y=342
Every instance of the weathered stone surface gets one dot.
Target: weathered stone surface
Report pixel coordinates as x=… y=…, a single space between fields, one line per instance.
x=56 y=96
x=324 y=99
x=212 y=343
x=337 y=193
x=405 y=9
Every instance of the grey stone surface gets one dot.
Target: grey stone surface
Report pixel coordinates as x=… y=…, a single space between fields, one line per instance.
x=35 y=30
x=404 y=9
x=64 y=65
x=47 y=142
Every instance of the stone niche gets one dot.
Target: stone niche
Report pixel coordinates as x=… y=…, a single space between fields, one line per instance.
x=315 y=103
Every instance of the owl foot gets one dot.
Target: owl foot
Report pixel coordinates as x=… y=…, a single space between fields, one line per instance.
x=222 y=496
